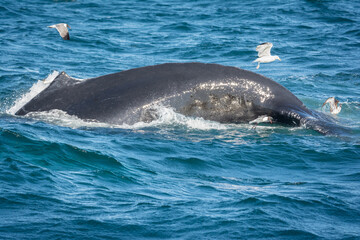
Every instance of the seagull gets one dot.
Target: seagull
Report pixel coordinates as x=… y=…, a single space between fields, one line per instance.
x=335 y=108
x=261 y=119
x=264 y=54
x=62 y=29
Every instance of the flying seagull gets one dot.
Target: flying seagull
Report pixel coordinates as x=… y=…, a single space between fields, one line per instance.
x=62 y=29
x=264 y=54
x=335 y=107
x=261 y=119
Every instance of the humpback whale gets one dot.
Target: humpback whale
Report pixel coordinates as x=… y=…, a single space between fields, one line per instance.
x=211 y=91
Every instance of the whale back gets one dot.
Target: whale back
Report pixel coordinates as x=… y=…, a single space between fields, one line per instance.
x=211 y=91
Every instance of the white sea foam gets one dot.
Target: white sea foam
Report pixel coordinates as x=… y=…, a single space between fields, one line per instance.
x=355 y=105
x=166 y=116
x=39 y=86
x=61 y=118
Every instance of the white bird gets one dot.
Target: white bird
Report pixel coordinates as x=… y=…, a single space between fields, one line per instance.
x=261 y=119
x=335 y=107
x=264 y=54
x=62 y=29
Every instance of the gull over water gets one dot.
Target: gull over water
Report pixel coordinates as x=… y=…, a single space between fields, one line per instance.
x=335 y=107
x=62 y=29
x=264 y=54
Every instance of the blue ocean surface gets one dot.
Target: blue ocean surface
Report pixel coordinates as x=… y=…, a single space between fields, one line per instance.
x=180 y=177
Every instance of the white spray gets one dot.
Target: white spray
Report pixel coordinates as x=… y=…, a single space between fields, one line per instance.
x=34 y=90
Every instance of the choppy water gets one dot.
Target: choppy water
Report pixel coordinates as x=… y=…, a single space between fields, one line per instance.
x=179 y=177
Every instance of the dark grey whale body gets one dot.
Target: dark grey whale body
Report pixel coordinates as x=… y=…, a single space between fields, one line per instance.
x=211 y=91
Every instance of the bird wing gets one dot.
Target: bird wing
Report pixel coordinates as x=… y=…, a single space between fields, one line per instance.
x=64 y=32
x=264 y=49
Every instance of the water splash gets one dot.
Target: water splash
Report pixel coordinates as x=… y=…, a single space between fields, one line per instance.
x=34 y=90
x=166 y=116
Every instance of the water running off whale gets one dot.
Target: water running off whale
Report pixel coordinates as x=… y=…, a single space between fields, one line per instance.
x=209 y=91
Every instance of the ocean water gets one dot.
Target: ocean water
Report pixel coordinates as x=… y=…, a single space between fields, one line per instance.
x=179 y=177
